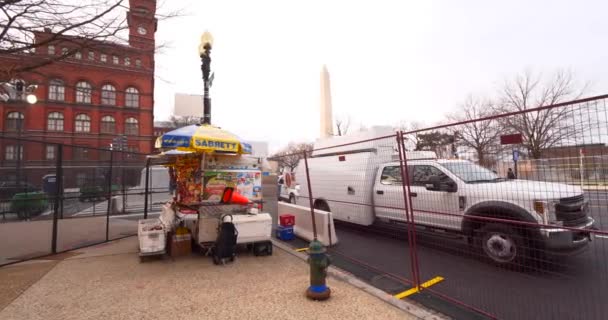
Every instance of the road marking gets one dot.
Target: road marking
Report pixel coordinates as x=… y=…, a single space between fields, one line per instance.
x=302 y=249
x=414 y=290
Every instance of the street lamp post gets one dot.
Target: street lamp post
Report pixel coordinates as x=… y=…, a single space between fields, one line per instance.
x=204 y=50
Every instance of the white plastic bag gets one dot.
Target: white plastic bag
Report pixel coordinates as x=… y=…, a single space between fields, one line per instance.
x=167 y=216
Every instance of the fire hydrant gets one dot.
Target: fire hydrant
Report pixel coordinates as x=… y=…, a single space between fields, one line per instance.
x=319 y=261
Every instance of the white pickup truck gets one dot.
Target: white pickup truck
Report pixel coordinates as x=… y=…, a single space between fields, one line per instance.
x=289 y=190
x=365 y=186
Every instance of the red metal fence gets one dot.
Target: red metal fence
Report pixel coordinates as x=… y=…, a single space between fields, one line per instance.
x=500 y=231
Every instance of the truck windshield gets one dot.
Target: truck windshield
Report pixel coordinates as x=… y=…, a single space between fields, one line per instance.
x=470 y=172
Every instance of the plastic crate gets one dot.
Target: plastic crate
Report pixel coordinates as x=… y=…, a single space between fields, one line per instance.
x=287 y=220
x=152 y=236
x=285 y=233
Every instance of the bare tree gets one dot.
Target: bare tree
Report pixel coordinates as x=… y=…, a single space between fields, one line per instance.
x=182 y=121
x=342 y=126
x=546 y=128
x=26 y=25
x=481 y=136
x=290 y=156
x=412 y=140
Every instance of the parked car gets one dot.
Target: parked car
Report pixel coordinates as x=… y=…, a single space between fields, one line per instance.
x=29 y=204
x=445 y=194
x=9 y=188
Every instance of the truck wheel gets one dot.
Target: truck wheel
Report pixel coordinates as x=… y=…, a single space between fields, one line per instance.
x=321 y=205
x=501 y=244
x=292 y=199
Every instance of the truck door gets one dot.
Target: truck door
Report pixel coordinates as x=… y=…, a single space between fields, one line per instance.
x=388 y=194
x=430 y=206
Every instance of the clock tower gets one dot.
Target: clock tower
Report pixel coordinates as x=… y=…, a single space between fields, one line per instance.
x=142 y=24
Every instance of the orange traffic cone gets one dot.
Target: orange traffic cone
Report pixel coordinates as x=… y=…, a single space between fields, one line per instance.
x=232 y=197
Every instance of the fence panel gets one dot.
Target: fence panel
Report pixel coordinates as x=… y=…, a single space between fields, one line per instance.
x=99 y=198
x=84 y=206
x=130 y=194
x=359 y=181
x=26 y=203
x=511 y=227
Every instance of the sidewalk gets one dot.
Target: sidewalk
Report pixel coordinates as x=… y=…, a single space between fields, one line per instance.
x=108 y=282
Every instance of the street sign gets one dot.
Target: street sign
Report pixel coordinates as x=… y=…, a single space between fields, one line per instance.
x=119 y=143
x=511 y=138
x=515 y=155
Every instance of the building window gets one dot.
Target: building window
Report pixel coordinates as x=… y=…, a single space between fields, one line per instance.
x=83 y=92
x=50 y=152
x=81 y=179
x=10 y=152
x=56 y=90
x=103 y=57
x=108 y=95
x=127 y=61
x=115 y=60
x=108 y=124
x=55 y=122
x=82 y=123
x=14 y=121
x=132 y=98
x=78 y=55
x=138 y=63
x=51 y=49
x=80 y=153
x=91 y=55
x=131 y=127
x=64 y=51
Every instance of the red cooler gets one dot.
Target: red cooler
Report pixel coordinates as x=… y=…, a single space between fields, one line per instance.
x=287 y=220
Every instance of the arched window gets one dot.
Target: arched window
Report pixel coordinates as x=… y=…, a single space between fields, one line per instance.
x=131 y=127
x=55 y=121
x=82 y=123
x=108 y=95
x=56 y=90
x=108 y=124
x=83 y=92
x=132 y=98
x=14 y=121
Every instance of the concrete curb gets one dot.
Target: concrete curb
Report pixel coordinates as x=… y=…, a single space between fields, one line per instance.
x=404 y=305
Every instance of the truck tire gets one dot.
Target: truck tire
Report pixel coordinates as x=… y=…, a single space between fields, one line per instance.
x=501 y=245
x=292 y=199
x=321 y=205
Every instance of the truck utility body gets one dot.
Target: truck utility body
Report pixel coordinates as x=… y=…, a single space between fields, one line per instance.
x=364 y=185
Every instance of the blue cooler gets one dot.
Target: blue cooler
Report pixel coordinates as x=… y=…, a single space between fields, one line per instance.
x=285 y=233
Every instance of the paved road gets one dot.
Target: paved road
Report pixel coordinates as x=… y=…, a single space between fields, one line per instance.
x=569 y=288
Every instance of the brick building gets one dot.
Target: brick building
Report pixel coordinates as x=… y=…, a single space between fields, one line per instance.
x=100 y=92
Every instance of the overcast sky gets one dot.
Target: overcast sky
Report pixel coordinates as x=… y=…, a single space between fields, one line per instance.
x=388 y=60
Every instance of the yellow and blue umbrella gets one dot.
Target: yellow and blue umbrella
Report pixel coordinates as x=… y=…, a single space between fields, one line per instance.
x=204 y=138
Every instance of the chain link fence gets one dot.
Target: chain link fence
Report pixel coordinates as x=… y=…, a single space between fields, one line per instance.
x=495 y=230
x=57 y=197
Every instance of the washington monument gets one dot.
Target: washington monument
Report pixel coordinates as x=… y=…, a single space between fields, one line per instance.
x=326 y=112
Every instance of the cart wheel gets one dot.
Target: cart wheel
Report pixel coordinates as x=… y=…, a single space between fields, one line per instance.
x=216 y=260
x=232 y=259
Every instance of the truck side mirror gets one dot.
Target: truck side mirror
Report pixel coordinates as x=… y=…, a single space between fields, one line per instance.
x=434 y=184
